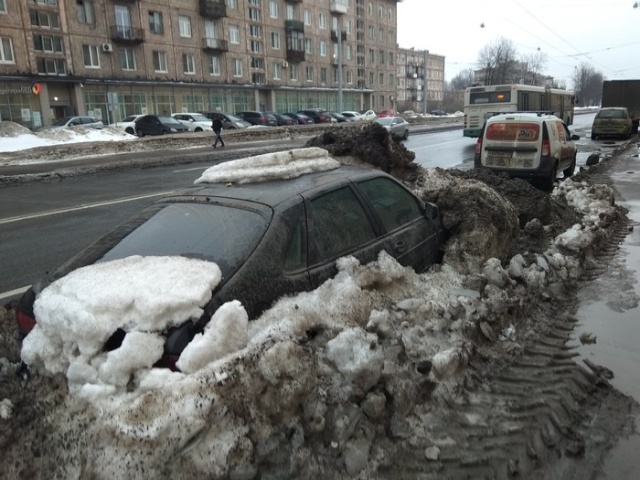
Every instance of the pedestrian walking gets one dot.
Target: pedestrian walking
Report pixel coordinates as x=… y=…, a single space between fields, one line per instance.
x=216 y=125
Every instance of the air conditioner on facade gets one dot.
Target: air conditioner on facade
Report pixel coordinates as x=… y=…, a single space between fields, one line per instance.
x=107 y=47
x=285 y=64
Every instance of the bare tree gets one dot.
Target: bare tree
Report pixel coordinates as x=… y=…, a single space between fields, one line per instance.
x=587 y=84
x=532 y=66
x=497 y=60
x=464 y=78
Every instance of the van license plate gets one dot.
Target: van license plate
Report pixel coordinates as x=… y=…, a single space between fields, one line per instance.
x=498 y=159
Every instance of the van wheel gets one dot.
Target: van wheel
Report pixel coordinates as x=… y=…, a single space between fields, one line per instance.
x=572 y=168
x=140 y=133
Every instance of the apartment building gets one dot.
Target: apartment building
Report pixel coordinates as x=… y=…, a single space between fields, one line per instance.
x=113 y=58
x=420 y=77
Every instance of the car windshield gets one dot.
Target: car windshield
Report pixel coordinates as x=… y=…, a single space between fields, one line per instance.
x=200 y=118
x=385 y=121
x=196 y=231
x=130 y=118
x=62 y=122
x=170 y=120
x=611 y=114
x=233 y=118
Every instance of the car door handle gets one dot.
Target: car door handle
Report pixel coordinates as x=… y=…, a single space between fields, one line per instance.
x=400 y=247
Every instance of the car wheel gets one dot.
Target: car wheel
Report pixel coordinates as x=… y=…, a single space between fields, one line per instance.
x=140 y=133
x=406 y=134
x=547 y=183
x=129 y=130
x=198 y=129
x=572 y=168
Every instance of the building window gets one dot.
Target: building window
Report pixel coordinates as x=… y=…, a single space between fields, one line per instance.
x=51 y=66
x=323 y=48
x=372 y=56
x=277 y=71
x=273 y=9
x=155 y=23
x=85 y=11
x=293 y=72
x=255 y=2
x=307 y=17
x=237 y=67
x=391 y=82
x=381 y=35
x=309 y=73
x=275 y=40
x=291 y=12
x=127 y=59
x=256 y=46
x=255 y=15
x=349 y=52
x=159 y=61
x=349 y=27
x=6 y=50
x=255 y=31
x=372 y=78
x=322 y=20
x=372 y=34
x=90 y=56
x=370 y=9
x=391 y=58
x=308 y=46
x=349 y=77
x=232 y=4
x=381 y=79
x=44 y=2
x=3 y=6
x=382 y=57
x=234 y=34
x=188 y=64
x=323 y=75
x=48 y=43
x=214 y=66
x=185 y=26
x=44 y=19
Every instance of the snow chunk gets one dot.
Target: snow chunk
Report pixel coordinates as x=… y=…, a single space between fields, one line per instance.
x=6 y=409
x=270 y=166
x=356 y=356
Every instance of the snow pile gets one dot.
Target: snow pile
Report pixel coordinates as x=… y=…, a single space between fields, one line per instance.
x=270 y=166
x=22 y=138
x=316 y=382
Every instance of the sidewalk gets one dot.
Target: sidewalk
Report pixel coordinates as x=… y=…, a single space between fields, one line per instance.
x=609 y=310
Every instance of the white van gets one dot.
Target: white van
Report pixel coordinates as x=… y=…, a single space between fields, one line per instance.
x=527 y=145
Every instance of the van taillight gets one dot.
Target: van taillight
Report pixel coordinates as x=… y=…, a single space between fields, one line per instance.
x=25 y=322
x=465 y=121
x=546 y=148
x=479 y=145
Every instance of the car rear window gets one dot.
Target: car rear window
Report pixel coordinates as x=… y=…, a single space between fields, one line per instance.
x=513 y=131
x=218 y=233
x=611 y=114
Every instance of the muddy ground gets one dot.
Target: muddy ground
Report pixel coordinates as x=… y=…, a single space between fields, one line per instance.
x=524 y=408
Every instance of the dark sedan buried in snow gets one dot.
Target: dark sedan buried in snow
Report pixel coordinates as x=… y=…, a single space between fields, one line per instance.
x=269 y=239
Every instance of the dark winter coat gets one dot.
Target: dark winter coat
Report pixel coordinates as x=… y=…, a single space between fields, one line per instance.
x=216 y=125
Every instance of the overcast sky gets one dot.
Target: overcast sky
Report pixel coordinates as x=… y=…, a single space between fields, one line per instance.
x=602 y=33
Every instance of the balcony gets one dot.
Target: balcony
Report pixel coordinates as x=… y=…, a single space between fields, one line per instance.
x=294 y=25
x=293 y=1
x=334 y=36
x=339 y=6
x=295 y=56
x=213 y=9
x=215 y=44
x=127 y=34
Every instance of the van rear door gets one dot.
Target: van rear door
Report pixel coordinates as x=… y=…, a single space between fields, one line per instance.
x=511 y=144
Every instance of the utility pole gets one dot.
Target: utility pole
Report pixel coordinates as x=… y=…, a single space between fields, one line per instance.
x=340 y=64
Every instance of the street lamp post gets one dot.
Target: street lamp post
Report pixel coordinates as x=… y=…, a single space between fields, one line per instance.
x=426 y=82
x=340 y=65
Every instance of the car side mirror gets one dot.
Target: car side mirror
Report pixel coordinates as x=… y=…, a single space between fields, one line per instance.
x=431 y=211
x=575 y=137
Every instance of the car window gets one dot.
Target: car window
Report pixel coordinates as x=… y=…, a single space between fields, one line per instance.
x=393 y=204
x=520 y=131
x=130 y=118
x=196 y=231
x=296 y=253
x=340 y=223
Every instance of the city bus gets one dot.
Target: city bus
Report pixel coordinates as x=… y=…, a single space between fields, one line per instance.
x=481 y=103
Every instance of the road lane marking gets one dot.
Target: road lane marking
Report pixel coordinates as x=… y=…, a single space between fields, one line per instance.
x=87 y=206
x=12 y=293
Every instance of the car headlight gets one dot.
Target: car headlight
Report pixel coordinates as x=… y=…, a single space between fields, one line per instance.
x=173 y=130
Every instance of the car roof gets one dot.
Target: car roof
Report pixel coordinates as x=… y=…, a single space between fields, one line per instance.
x=520 y=116
x=280 y=190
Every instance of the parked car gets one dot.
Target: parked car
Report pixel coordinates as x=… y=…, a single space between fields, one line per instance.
x=368 y=115
x=158 y=125
x=195 y=122
x=612 y=122
x=258 y=118
x=438 y=113
x=317 y=114
x=283 y=120
x=387 y=113
x=229 y=122
x=300 y=118
x=289 y=231
x=352 y=116
x=128 y=124
x=76 y=121
x=527 y=145
x=338 y=117
x=397 y=126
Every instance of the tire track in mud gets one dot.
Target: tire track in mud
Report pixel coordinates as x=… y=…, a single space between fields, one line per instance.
x=541 y=416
